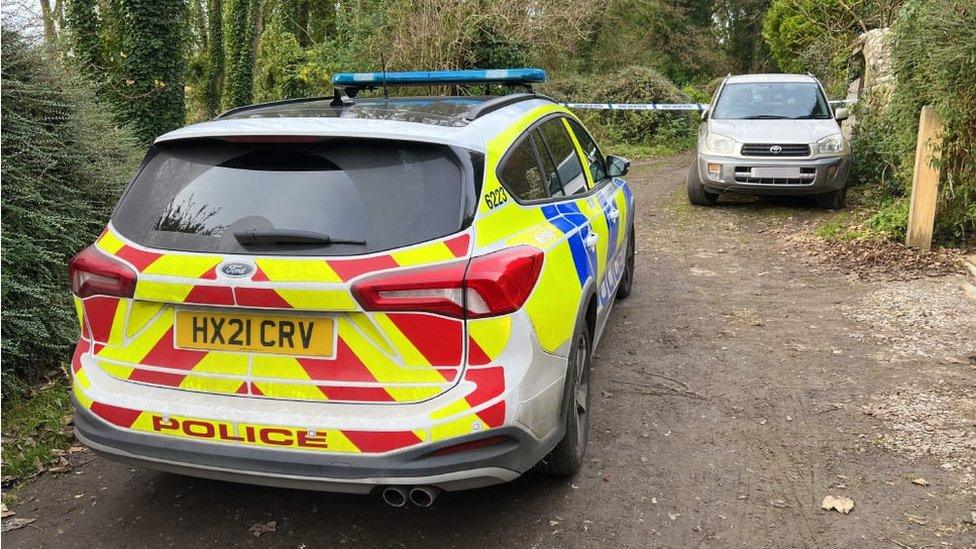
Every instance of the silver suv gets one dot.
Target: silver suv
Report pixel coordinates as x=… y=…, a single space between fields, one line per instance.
x=771 y=134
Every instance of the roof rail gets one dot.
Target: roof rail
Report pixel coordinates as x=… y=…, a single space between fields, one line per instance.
x=497 y=103
x=244 y=108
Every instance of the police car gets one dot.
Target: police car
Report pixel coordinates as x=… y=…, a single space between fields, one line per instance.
x=360 y=294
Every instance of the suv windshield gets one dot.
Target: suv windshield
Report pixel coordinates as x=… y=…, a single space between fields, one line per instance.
x=774 y=100
x=195 y=195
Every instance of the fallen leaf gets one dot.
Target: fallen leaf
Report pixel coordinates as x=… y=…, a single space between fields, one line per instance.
x=76 y=449
x=920 y=481
x=259 y=528
x=15 y=524
x=4 y=512
x=915 y=519
x=839 y=503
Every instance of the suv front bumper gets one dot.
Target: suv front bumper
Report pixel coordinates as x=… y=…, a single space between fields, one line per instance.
x=821 y=175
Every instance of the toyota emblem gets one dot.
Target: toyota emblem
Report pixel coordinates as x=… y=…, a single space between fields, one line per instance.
x=775 y=149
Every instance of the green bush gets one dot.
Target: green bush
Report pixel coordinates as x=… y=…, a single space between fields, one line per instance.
x=284 y=69
x=629 y=85
x=933 y=55
x=64 y=161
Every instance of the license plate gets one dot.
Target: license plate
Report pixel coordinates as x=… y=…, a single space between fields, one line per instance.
x=278 y=334
x=776 y=173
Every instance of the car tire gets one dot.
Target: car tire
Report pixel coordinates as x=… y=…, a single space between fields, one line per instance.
x=565 y=459
x=627 y=280
x=833 y=201
x=697 y=194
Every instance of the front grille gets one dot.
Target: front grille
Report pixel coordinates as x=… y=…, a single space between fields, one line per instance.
x=767 y=149
x=743 y=174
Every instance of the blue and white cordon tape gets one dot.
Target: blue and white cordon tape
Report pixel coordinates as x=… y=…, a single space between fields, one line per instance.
x=639 y=106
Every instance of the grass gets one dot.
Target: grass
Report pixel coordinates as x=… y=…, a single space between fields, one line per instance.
x=635 y=151
x=34 y=424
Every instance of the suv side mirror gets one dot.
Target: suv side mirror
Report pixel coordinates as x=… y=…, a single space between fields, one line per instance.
x=842 y=114
x=617 y=166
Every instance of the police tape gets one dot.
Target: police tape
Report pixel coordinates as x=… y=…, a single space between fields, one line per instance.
x=639 y=106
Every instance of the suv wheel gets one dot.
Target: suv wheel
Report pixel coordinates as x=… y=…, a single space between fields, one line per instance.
x=833 y=201
x=627 y=280
x=697 y=194
x=565 y=459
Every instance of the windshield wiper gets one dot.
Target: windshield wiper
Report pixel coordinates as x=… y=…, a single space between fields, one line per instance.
x=765 y=117
x=290 y=236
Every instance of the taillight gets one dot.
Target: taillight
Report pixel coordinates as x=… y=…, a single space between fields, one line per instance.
x=494 y=284
x=94 y=273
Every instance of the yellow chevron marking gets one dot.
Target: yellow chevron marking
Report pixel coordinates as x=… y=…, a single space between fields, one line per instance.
x=109 y=243
x=284 y=368
x=298 y=270
x=115 y=370
x=491 y=334
x=140 y=314
x=80 y=312
x=430 y=253
x=151 y=290
x=116 y=335
x=457 y=427
x=187 y=266
x=362 y=322
x=553 y=304
x=385 y=371
x=404 y=347
x=81 y=382
x=139 y=347
x=318 y=300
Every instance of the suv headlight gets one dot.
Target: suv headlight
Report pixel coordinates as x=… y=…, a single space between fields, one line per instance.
x=832 y=144
x=719 y=144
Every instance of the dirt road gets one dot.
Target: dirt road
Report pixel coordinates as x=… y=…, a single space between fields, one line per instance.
x=731 y=397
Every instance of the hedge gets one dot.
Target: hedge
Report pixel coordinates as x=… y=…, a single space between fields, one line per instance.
x=64 y=162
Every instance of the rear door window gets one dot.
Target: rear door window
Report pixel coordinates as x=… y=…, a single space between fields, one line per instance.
x=521 y=172
x=560 y=148
x=194 y=195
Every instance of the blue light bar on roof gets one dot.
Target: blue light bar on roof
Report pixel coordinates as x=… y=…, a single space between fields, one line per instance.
x=430 y=78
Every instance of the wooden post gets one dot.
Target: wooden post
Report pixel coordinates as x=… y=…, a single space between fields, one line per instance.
x=925 y=182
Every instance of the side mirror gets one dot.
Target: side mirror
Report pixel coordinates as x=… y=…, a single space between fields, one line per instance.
x=842 y=114
x=617 y=166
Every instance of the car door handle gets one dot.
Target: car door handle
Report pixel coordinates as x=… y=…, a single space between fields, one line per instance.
x=614 y=214
x=591 y=240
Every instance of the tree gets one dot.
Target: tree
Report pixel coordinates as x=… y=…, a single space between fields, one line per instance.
x=152 y=95
x=214 y=77
x=85 y=42
x=239 y=78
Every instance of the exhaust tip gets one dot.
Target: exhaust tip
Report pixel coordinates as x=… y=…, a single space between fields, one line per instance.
x=423 y=496
x=394 y=497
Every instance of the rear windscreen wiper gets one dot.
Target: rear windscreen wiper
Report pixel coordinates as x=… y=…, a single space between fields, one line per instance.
x=290 y=236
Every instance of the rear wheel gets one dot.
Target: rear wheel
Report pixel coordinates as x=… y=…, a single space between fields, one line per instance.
x=697 y=194
x=565 y=459
x=627 y=280
x=833 y=201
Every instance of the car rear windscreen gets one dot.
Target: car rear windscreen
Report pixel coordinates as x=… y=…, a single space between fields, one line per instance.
x=195 y=195
x=770 y=101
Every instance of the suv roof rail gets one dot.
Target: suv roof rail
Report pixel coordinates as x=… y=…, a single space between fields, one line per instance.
x=497 y=103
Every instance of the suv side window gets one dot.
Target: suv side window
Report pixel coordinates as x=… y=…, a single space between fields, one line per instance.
x=521 y=172
x=559 y=147
x=593 y=157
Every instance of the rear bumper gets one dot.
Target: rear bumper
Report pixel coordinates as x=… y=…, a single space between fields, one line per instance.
x=359 y=473
x=828 y=174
